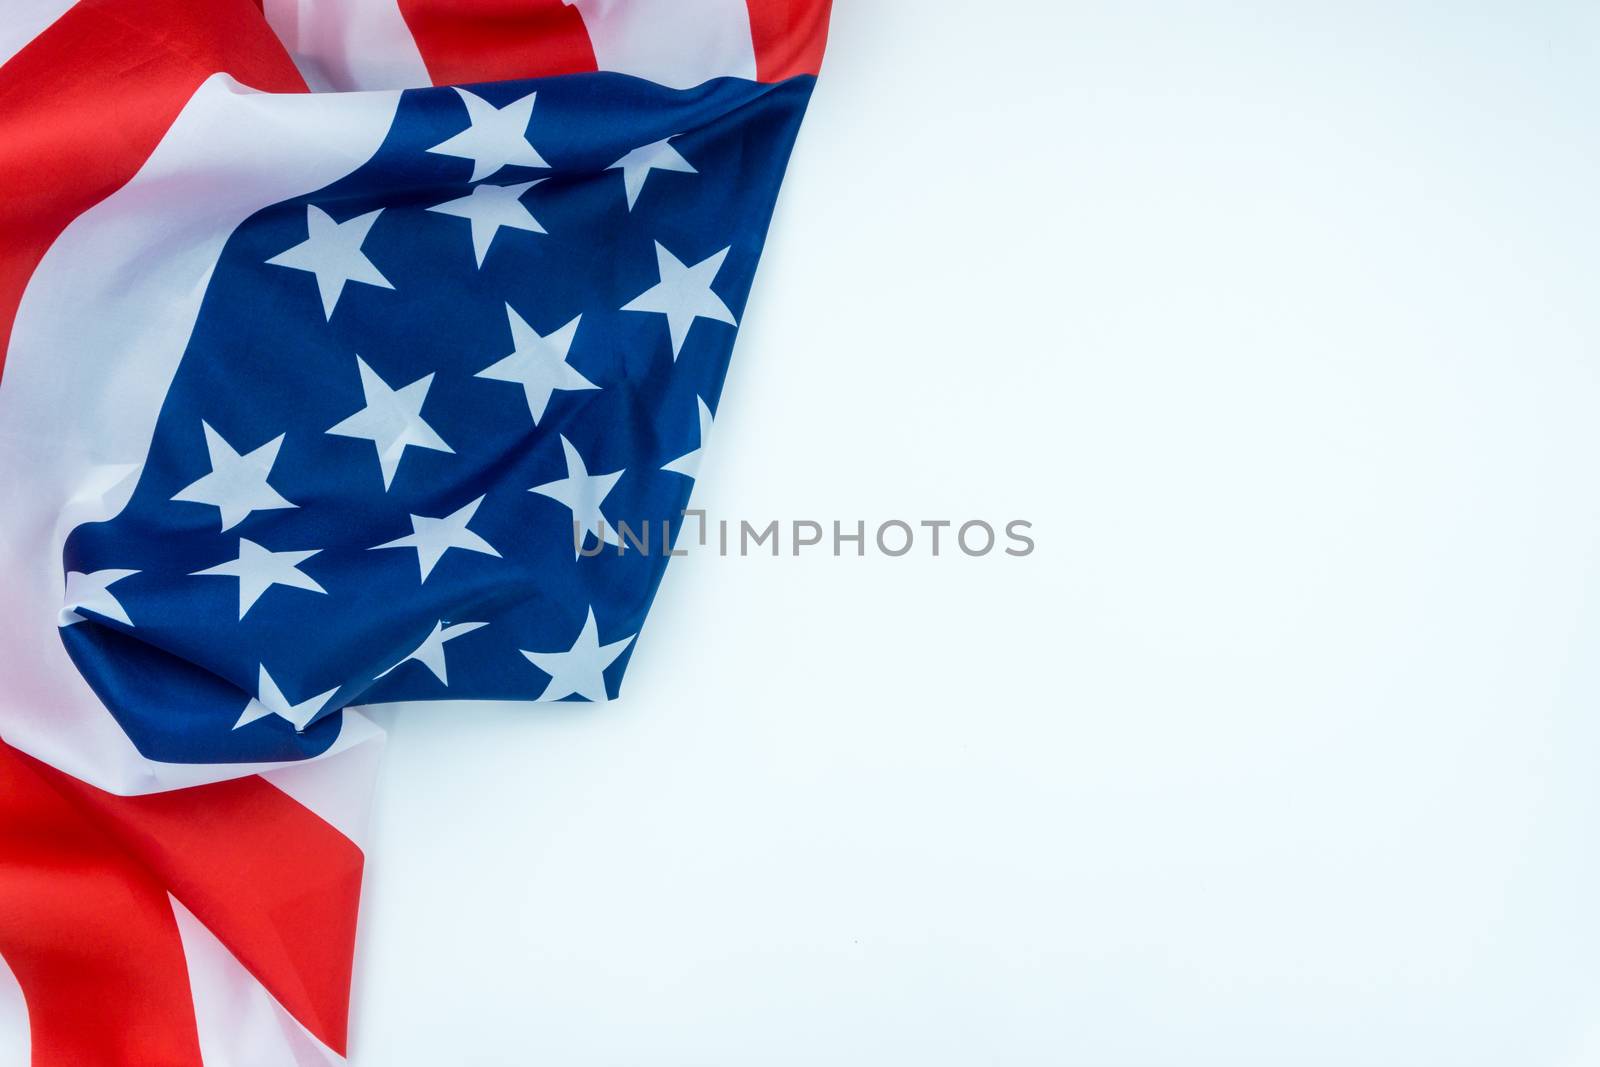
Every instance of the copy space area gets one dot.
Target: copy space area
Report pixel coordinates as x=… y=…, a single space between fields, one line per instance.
x=1279 y=323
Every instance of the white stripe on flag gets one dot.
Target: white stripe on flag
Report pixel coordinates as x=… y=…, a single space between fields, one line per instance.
x=101 y=329
x=14 y=1039
x=26 y=19
x=345 y=45
x=677 y=43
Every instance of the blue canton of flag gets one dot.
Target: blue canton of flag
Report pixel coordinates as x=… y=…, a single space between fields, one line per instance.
x=403 y=394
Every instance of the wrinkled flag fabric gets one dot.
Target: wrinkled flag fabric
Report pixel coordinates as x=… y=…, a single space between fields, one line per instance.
x=355 y=352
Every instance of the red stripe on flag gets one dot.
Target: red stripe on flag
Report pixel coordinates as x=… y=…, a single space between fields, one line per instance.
x=275 y=883
x=789 y=37
x=495 y=40
x=84 y=104
x=90 y=936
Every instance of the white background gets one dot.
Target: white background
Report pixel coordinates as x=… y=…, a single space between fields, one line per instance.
x=1279 y=321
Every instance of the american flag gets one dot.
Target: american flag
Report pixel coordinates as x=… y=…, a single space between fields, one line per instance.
x=340 y=339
